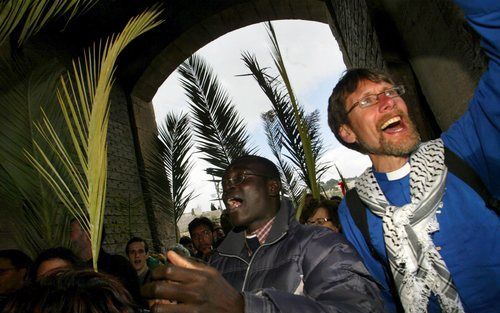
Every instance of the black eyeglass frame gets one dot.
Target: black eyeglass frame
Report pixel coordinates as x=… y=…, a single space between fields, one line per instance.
x=319 y=221
x=399 y=89
x=241 y=177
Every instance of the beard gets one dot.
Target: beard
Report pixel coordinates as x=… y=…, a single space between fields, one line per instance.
x=398 y=148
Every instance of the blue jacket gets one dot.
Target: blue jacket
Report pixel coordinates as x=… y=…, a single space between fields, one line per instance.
x=469 y=231
x=306 y=269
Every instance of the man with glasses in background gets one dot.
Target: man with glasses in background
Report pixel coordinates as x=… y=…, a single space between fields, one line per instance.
x=201 y=230
x=269 y=262
x=426 y=232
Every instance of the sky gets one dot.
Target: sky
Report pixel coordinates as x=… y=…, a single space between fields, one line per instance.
x=314 y=64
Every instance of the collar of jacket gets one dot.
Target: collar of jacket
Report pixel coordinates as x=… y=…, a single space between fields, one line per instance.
x=235 y=240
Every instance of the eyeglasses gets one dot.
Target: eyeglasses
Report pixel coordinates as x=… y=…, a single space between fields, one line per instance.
x=370 y=100
x=239 y=179
x=203 y=234
x=318 y=221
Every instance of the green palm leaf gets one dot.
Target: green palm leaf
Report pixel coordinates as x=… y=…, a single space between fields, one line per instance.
x=174 y=142
x=84 y=101
x=221 y=133
x=300 y=133
x=298 y=114
x=31 y=15
x=288 y=130
x=292 y=186
x=35 y=213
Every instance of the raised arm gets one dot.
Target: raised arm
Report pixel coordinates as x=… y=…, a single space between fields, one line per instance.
x=475 y=137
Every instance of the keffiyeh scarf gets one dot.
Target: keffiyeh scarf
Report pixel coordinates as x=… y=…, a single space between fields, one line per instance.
x=416 y=265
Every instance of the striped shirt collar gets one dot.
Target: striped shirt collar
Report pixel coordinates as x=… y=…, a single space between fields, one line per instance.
x=262 y=232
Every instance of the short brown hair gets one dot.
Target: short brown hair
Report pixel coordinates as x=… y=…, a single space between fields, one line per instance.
x=337 y=114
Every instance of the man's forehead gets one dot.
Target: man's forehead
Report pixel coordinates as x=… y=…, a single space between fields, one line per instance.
x=248 y=165
x=137 y=245
x=366 y=87
x=200 y=228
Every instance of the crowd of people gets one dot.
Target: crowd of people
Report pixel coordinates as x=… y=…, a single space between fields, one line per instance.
x=416 y=234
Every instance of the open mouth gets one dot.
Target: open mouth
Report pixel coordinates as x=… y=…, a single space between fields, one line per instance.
x=392 y=125
x=234 y=203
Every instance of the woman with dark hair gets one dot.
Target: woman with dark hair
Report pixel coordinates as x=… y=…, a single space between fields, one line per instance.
x=52 y=260
x=323 y=213
x=70 y=291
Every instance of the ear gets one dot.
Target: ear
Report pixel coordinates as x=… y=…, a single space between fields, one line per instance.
x=273 y=187
x=346 y=133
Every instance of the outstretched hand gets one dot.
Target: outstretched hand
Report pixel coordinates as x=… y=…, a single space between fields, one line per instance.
x=185 y=286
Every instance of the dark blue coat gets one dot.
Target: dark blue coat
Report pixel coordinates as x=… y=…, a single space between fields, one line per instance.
x=299 y=269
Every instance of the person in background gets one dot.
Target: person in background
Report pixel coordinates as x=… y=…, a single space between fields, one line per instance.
x=71 y=291
x=188 y=244
x=137 y=251
x=219 y=234
x=201 y=230
x=14 y=268
x=322 y=213
x=112 y=264
x=52 y=260
x=225 y=222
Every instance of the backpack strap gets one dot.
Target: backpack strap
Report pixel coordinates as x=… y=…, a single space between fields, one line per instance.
x=358 y=213
x=465 y=173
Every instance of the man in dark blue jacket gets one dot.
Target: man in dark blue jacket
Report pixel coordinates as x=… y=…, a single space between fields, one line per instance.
x=269 y=262
x=433 y=237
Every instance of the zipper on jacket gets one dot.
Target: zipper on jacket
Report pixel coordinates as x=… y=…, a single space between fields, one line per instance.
x=253 y=256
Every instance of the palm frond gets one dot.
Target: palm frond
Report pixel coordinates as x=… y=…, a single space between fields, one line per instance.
x=176 y=141
x=298 y=114
x=84 y=101
x=292 y=187
x=32 y=15
x=220 y=132
x=35 y=213
x=283 y=113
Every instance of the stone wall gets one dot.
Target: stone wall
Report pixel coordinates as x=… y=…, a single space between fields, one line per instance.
x=125 y=214
x=442 y=49
x=162 y=225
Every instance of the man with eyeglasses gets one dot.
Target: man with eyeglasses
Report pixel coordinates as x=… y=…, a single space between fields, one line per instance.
x=269 y=262
x=201 y=230
x=429 y=236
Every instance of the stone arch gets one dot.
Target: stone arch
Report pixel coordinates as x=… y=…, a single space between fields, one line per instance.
x=210 y=27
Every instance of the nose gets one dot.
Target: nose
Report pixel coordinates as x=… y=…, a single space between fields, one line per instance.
x=385 y=103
